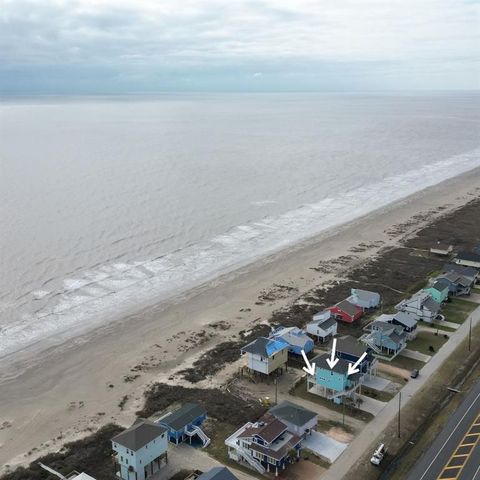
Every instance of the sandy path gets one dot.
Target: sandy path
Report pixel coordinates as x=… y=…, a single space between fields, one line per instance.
x=78 y=386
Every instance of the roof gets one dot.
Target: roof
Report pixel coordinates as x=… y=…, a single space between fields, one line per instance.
x=405 y=319
x=292 y=413
x=441 y=246
x=183 y=416
x=82 y=476
x=469 y=272
x=265 y=347
x=397 y=337
x=327 y=323
x=218 y=473
x=440 y=285
x=139 y=434
x=431 y=304
x=349 y=344
x=468 y=256
x=348 y=307
x=382 y=325
x=340 y=367
x=293 y=336
x=268 y=428
x=365 y=294
x=456 y=278
x=280 y=452
x=323 y=315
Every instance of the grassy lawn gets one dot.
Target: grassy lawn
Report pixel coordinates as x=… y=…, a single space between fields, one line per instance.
x=377 y=394
x=406 y=363
x=300 y=390
x=426 y=339
x=458 y=310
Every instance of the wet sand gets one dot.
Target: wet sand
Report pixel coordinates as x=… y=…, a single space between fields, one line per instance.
x=66 y=392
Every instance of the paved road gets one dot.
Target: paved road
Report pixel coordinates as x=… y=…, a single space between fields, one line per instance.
x=367 y=439
x=455 y=453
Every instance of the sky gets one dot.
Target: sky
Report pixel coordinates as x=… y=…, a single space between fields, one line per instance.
x=121 y=46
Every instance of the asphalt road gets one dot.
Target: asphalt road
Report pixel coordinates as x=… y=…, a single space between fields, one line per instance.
x=455 y=453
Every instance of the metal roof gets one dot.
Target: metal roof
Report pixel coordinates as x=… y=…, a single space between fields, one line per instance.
x=183 y=416
x=468 y=272
x=405 y=318
x=139 y=434
x=349 y=344
x=218 y=473
x=293 y=413
x=265 y=347
x=348 y=307
x=468 y=256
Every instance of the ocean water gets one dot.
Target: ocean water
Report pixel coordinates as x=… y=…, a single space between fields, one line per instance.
x=109 y=204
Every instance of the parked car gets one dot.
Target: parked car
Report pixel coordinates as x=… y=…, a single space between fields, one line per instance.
x=440 y=317
x=414 y=373
x=378 y=454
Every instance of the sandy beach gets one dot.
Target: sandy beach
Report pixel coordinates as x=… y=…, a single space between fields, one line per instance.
x=66 y=392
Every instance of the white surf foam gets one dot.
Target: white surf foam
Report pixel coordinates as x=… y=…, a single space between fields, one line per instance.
x=98 y=296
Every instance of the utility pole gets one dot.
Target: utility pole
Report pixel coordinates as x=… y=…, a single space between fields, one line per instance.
x=470 y=335
x=276 y=391
x=343 y=413
x=399 y=406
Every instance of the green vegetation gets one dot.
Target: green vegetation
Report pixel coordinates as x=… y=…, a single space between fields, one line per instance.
x=377 y=394
x=406 y=363
x=425 y=340
x=458 y=310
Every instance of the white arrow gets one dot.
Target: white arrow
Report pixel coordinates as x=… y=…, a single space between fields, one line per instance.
x=310 y=369
x=332 y=361
x=353 y=368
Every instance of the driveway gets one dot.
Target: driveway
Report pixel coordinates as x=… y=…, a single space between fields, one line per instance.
x=324 y=446
x=371 y=405
x=377 y=383
x=415 y=355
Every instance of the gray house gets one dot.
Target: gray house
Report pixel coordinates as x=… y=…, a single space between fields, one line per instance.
x=364 y=298
x=468 y=272
x=457 y=284
x=298 y=419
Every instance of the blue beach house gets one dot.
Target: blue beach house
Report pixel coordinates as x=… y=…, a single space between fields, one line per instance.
x=296 y=339
x=351 y=350
x=185 y=423
x=140 y=451
x=439 y=290
x=334 y=384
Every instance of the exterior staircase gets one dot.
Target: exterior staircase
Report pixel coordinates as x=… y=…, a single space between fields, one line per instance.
x=200 y=433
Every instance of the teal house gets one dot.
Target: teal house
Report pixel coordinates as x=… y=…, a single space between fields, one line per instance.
x=334 y=384
x=439 y=290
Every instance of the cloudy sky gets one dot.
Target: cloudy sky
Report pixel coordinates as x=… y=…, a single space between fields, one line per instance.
x=114 y=46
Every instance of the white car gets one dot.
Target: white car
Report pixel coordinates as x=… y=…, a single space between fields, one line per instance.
x=378 y=455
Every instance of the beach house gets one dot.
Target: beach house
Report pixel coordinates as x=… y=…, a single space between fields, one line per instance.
x=323 y=326
x=439 y=290
x=74 y=475
x=468 y=259
x=385 y=338
x=440 y=248
x=296 y=339
x=471 y=273
x=351 y=350
x=422 y=305
x=299 y=420
x=346 y=311
x=457 y=284
x=364 y=299
x=406 y=320
x=266 y=355
x=333 y=383
x=140 y=451
x=185 y=423
x=265 y=445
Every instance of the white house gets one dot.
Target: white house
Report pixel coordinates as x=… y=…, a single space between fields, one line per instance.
x=440 y=248
x=422 y=305
x=265 y=355
x=323 y=326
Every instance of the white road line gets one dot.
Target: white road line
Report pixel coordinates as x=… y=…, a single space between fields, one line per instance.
x=476 y=473
x=450 y=436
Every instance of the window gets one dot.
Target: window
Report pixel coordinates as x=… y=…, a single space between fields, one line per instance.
x=126 y=460
x=121 y=459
